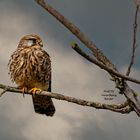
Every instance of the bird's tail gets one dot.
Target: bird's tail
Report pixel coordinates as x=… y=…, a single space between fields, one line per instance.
x=43 y=105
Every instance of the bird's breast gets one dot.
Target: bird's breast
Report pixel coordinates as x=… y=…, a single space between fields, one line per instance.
x=28 y=68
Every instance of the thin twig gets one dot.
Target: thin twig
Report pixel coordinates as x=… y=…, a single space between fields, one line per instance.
x=134 y=41
x=3 y=92
x=102 y=66
x=120 y=108
x=137 y=3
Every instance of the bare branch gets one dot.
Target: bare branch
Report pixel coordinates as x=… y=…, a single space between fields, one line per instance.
x=76 y=31
x=123 y=108
x=102 y=66
x=137 y=2
x=122 y=85
x=134 y=41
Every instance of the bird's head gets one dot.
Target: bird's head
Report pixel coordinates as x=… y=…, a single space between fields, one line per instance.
x=31 y=41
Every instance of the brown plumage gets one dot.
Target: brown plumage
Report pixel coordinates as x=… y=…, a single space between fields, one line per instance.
x=30 y=68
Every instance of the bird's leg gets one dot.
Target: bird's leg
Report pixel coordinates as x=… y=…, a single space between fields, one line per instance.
x=24 y=90
x=35 y=90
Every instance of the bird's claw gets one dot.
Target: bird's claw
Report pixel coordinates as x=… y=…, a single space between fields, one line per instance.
x=24 y=90
x=34 y=91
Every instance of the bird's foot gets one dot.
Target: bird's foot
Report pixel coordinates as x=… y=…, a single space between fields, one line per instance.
x=24 y=90
x=34 y=90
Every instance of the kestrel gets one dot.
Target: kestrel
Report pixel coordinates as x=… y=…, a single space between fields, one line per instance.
x=30 y=69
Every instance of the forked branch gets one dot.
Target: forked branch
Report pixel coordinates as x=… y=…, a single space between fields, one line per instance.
x=120 y=82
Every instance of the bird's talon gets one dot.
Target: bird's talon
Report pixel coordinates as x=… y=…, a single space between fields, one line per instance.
x=34 y=90
x=24 y=90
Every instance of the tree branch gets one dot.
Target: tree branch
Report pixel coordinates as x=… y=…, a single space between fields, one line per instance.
x=102 y=66
x=137 y=3
x=134 y=41
x=76 y=31
x=123 y=108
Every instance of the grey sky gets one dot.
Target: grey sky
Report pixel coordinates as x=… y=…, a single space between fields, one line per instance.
x=109 y=24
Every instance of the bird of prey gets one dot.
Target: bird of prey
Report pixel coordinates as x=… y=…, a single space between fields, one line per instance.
x=30 y=69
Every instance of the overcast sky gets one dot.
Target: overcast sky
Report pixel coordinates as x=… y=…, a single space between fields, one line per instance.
x=109 y=24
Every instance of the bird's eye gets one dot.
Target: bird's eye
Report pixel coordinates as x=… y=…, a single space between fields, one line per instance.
x=31 y=42
x=41 y=44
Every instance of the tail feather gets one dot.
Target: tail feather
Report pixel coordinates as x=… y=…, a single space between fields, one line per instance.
x=43 y=105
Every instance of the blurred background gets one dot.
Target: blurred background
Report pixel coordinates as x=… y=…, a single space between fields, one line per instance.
x=109 y=24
